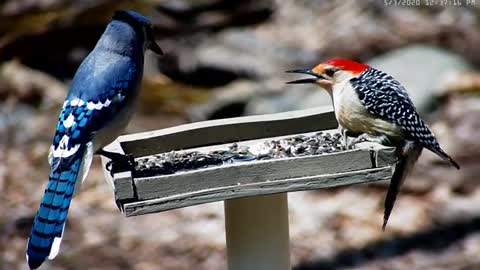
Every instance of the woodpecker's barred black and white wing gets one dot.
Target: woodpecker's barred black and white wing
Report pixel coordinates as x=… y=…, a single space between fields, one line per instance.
x=385 y=98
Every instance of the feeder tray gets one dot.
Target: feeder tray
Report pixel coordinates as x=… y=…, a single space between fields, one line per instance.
x=236 y=160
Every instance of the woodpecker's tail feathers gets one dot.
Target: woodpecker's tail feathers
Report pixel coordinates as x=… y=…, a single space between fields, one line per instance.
x=49 y=223
x=445 y=157
x=408 y=155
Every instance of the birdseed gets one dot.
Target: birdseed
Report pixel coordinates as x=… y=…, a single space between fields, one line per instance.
x=296 y=146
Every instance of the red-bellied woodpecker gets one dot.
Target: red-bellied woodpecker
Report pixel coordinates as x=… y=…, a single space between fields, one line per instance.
x=369 y=101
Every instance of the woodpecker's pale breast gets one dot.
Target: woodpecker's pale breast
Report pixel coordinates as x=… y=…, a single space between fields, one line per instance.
x=354 y=117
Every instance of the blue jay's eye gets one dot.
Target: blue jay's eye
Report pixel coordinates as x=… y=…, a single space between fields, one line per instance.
x=330 y=72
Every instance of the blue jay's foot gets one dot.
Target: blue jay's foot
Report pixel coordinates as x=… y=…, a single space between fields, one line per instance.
x=118 y=162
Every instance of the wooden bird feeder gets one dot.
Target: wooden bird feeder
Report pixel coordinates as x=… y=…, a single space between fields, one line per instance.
x=254 y=192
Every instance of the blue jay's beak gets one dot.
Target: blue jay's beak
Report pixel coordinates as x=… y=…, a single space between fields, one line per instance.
x=155 y=48
x=152 y=44
x=305 y=71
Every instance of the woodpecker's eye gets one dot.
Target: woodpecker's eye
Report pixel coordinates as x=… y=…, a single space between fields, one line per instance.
x=330 y=72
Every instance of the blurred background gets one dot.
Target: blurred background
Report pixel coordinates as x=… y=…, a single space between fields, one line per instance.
x=226 y=59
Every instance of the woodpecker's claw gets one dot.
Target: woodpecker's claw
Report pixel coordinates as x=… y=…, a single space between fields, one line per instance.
x=343 y=131
x=362 y=138
x=383 y=140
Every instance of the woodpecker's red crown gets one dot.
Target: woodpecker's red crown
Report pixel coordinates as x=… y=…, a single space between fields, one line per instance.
x=341 y=64
x=331 y=72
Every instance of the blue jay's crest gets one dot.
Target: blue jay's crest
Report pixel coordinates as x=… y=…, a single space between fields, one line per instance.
x=133 y=18
x=141 y=24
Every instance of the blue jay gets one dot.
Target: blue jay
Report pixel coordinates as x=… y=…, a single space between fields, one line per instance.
x=96 y=110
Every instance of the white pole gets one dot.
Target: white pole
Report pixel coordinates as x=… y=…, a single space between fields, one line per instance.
x=257 y=233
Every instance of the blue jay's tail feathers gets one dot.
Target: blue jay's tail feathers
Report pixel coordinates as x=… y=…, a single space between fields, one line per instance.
x=408 y=154
x=47 y=231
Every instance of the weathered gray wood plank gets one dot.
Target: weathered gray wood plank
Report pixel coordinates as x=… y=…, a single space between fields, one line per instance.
x=387 y=156
x=228 y=130
x=255 y=189
x=124 y=188
x=120 y=183
x=252 y=172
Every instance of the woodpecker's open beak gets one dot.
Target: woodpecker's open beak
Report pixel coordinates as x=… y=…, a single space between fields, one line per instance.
x=305 y=71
